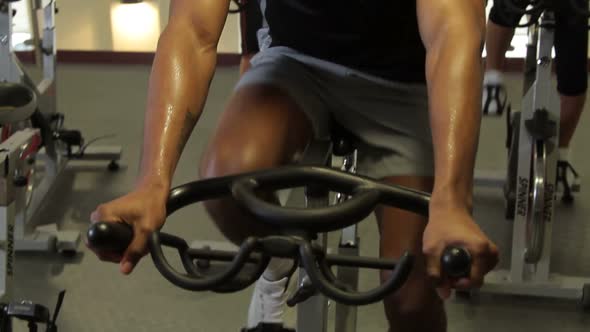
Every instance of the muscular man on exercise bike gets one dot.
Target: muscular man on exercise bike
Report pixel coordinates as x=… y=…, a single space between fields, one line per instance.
x=403 y=76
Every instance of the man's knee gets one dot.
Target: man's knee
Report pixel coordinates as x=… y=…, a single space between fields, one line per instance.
x=262 y=128
x=223 y=159
x=414 y=301
x=220 y=161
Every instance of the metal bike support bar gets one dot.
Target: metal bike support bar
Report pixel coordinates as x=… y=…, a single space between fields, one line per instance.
x=539 y=211
x=309 y=301
x=361 y=262
x=323 y=219
x=397 y=279
x=349 y=245
x=9 y=163
x=533 y=173
x=219 y=255
x=33 y=5
x=204 y=283
x=47 y=86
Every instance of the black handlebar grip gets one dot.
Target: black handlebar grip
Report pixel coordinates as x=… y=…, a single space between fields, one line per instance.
x=110 y=237
x=456 y=262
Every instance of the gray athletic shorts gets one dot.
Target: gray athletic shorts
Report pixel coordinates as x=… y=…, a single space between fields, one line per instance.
x=391 y=119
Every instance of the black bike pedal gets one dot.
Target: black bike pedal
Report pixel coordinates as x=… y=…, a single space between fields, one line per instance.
x=28 y=311
x=541 y=127
x=71 y=137
x=268 y=327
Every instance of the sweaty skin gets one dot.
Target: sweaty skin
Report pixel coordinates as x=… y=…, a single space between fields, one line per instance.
x=182 y=71
x=179 y=83
x=452 y=31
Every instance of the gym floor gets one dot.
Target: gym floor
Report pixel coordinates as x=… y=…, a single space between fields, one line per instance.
x=102 y=100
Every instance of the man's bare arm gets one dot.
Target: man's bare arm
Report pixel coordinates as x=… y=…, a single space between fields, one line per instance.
x=453 y=32
x=182 y=71
x=183 y=68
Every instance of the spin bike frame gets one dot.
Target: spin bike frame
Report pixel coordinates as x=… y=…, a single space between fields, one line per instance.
x=301 y=238
x=11 y=70
x=55 y=153
x=11 y=162
x=23 y=104
x=312 y=312
x=312 y=307
x=537 y=156
x=14 y=160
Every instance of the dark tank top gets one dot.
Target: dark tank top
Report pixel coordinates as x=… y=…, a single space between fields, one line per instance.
x=379 y=37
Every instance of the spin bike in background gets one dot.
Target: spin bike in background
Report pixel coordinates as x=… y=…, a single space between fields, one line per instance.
x=35 y=149
x=301 y=236
x=30 y=110
x=532 y=173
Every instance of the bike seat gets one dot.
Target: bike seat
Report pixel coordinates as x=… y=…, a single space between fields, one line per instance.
x=342 y=139
x=17 y=102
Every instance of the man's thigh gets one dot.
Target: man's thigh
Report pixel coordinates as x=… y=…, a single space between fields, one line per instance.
x=296 y=81
x=263 y=126
x=266 y=122
x=401 y=231
x=391 y=121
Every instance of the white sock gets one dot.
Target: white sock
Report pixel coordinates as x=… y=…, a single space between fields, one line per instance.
x=492 y=104
x=268 y=302
x=278 y=268
x=493 y=77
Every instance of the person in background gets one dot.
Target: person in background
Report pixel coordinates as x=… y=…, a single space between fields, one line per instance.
x=571 y=51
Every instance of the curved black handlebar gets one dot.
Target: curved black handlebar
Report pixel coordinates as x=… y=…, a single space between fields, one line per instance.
x=364 y=195
x=327 y=287
x=324 y=219
x=255 y=253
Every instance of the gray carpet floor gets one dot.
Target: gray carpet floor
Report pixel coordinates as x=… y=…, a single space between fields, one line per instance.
x=102 y=100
